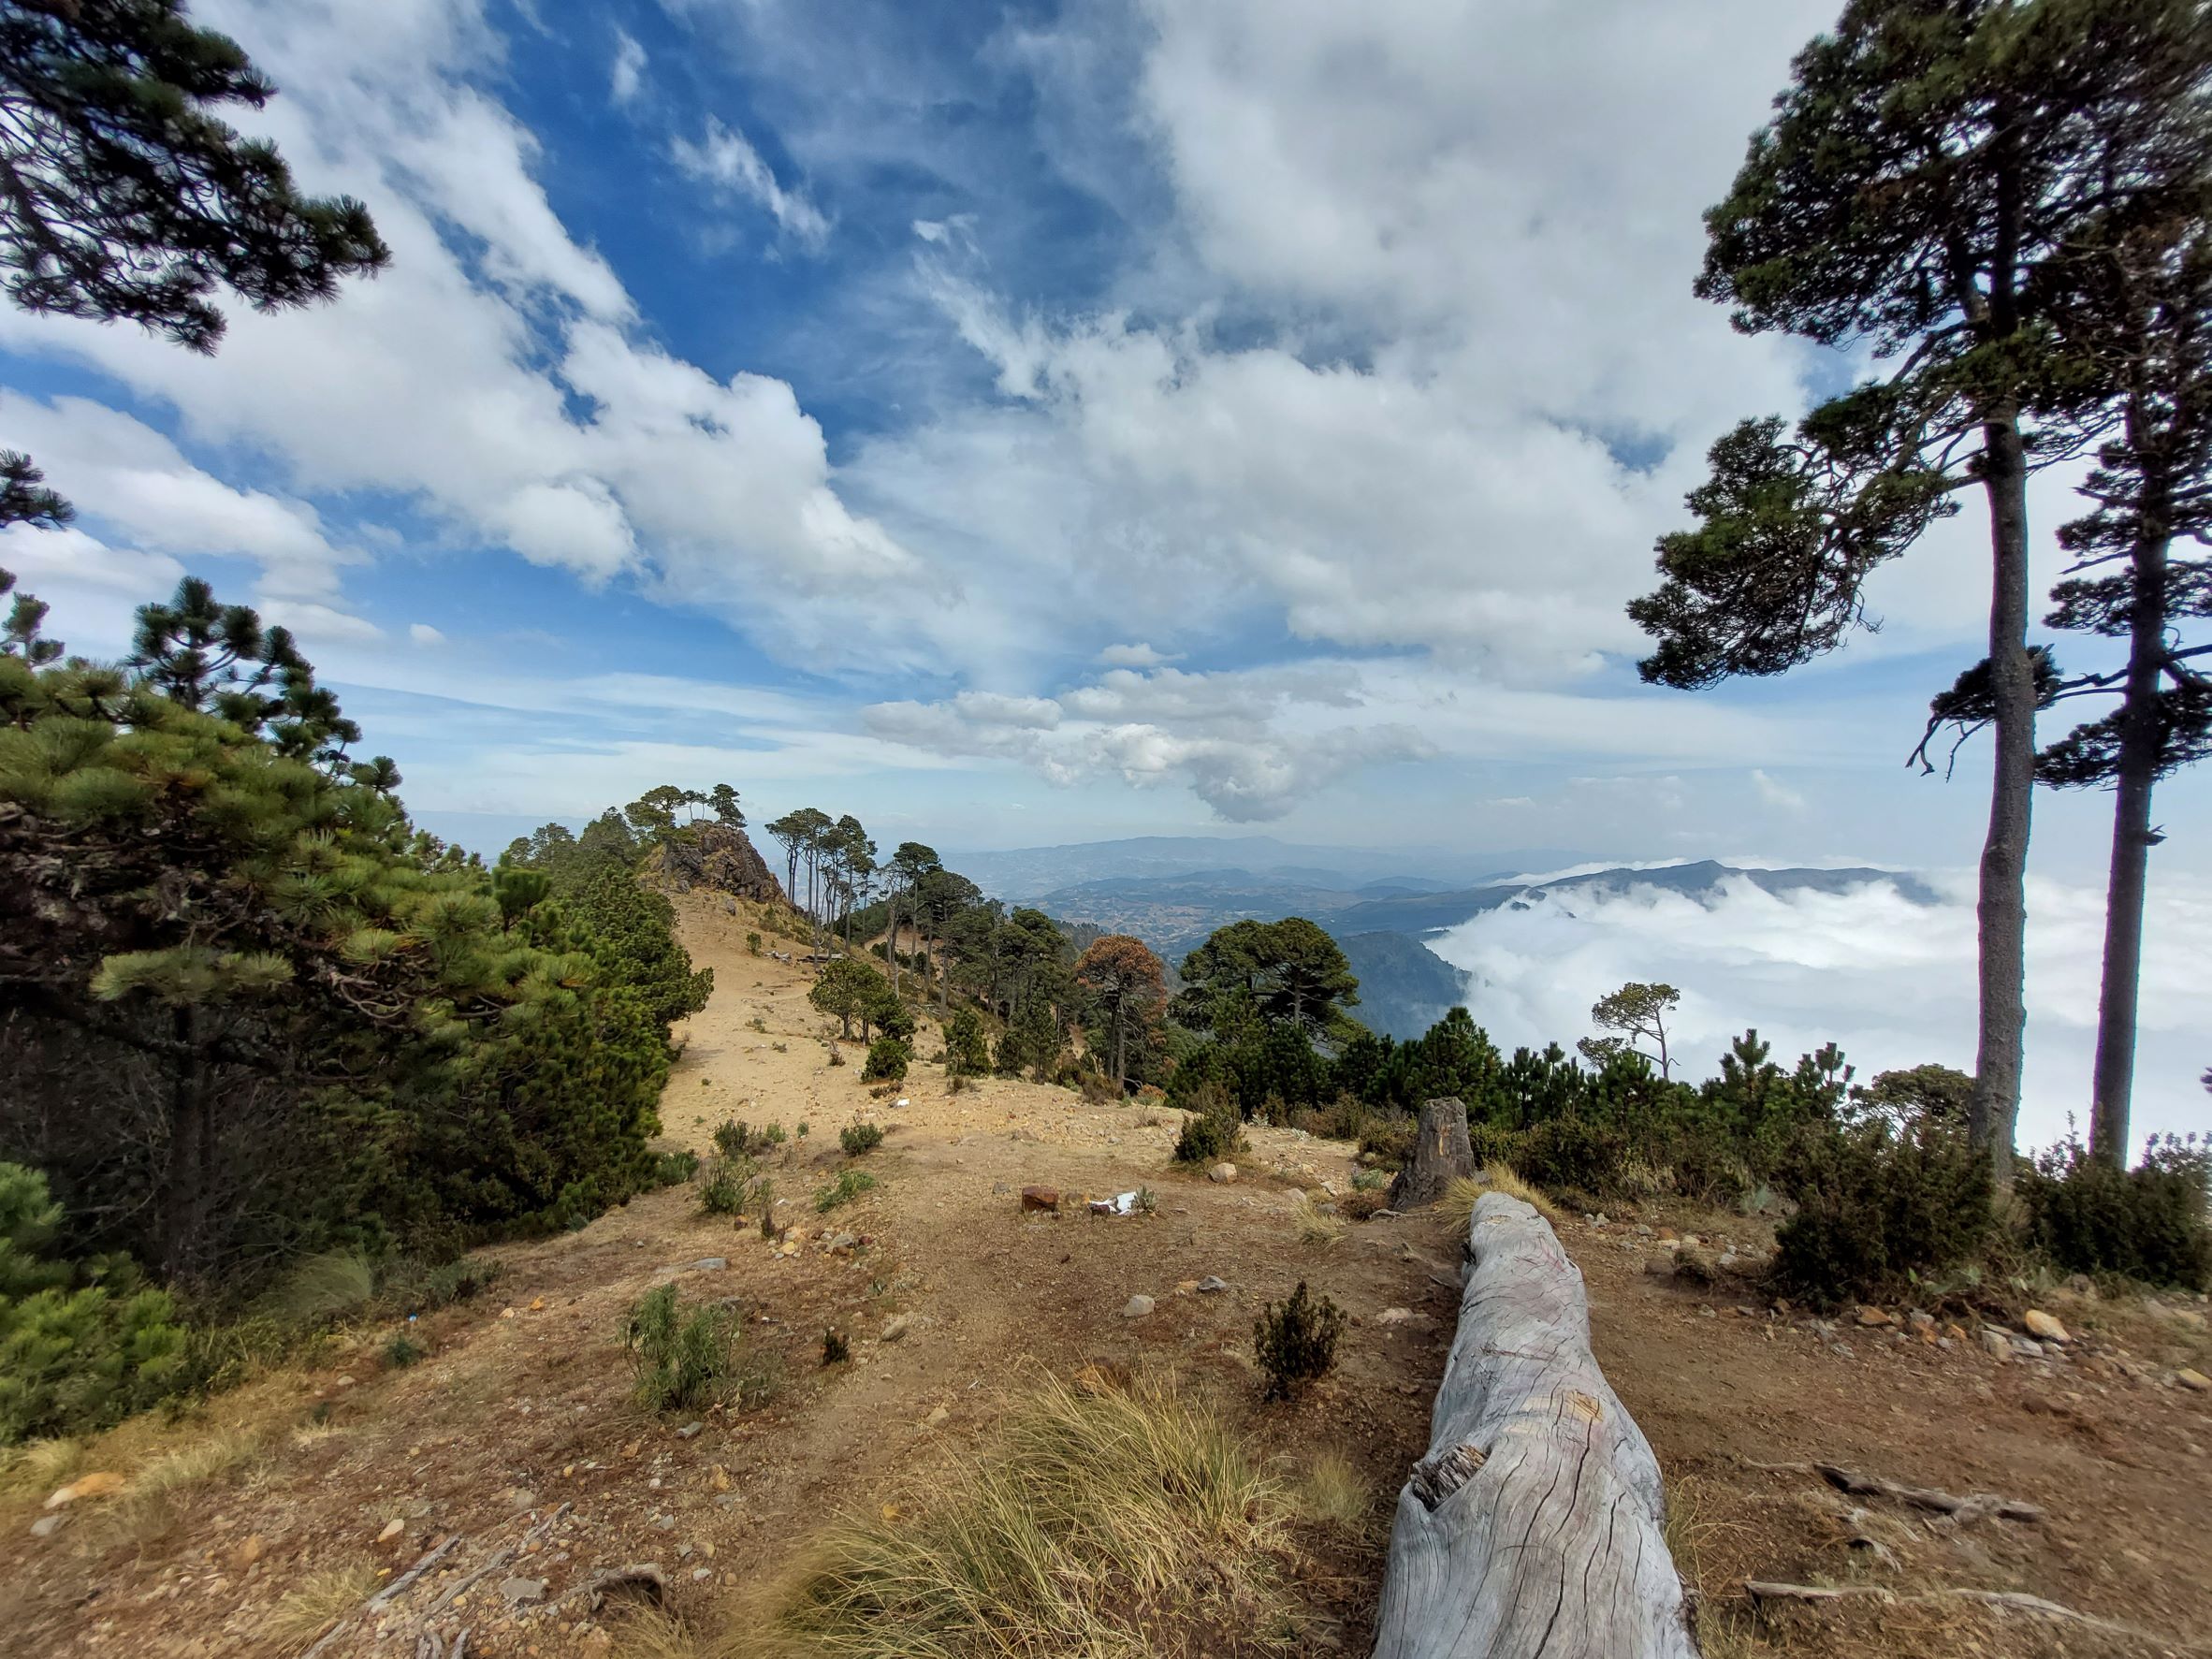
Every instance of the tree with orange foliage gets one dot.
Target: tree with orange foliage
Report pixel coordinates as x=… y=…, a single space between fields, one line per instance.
x=1129 y=985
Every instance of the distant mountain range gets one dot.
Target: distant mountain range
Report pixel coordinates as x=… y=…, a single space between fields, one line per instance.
x=1382 y=916
x=1024 y=874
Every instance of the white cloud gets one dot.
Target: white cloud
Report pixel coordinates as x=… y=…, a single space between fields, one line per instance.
x=123 y=474
x=508 y=392
x=1891 y=982
x=724 y=159
x=422 y=634
x=1776 y=793
x=626 y=78
x=1132 y=655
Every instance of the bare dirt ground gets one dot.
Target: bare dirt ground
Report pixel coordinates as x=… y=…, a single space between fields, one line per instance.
x=517 y=1438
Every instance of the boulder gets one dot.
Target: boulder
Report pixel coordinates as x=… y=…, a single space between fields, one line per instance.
x=2043 y=1325
x=1222 y=1172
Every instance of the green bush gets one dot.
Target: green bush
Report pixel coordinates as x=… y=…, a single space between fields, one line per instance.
x=681 y=1363
x=858 y=1137
x=1296 y=1341
x=1878 y=1210
x=402 y=1351
x=850 y=1185
x=752 y=943
x=81 y=1347
x=2147 y=1223
x=730 y=1186
x=673 y=1168
x=1573 y=1153
x=888 y=1059
x=1212 y=1130
x=968 y=1051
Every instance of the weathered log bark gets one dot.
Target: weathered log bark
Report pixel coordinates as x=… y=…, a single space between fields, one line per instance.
x=1441 y=1154
x=1532 y=1526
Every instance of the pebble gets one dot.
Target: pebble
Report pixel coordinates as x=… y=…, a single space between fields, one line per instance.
x=1996 y=1343
x=710 y=1264
x=2190 y=1378
x=1394 y=1316
x=895 y=1328
x=518 y=1591
x=392 y=1529
x=46 y=1526
x=1137 y=1307
x=690 y=1430
x=1209 y=1285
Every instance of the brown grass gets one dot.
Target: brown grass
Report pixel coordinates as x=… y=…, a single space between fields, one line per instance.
x=318 y=1601
x=1099 y=1521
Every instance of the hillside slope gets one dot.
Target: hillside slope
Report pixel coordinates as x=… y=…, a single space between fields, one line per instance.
x=518 y=1430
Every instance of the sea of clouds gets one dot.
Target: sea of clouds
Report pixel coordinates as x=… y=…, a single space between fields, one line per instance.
x=1889 y=979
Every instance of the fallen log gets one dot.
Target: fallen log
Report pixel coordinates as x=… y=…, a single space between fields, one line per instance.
x=1534 y=1525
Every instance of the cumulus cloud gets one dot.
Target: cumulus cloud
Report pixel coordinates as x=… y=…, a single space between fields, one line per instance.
x=1891 y=982
x=422 y=634
x=130 y=480
x=495 y=375
x=724 y=159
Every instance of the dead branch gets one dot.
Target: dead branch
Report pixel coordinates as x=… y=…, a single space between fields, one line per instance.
x=1976 y=1506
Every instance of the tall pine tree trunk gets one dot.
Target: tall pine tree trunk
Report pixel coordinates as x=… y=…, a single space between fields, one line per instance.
x=2114 y=1079
x=189 y=1157
x=2002 y=904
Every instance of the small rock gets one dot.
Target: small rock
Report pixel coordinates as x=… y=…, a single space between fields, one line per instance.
x=1210 y=1285
x=392 y=1529
x=46 y=1526
x=1996 y=1343
x=700 y=1574
x=2041 y=1324
x=1000 y=1189
x=1222 y=1172
x=1137 y=1307
x=1921 y=1319
x=1041 y=1197
x=1394 y=1316
x=2190 y=1378
x=710 y=1264
x=1599 y=1220
x=247 y=1554
x=690 y=1430
x=1660 y=1266
x=1642 y=1232
x=1184 y=1286
x=2026 y=1347
x=665 y=1523
x=1871 y=1316
x=517 y=1591
x=939 y=1417
x=895 y=1328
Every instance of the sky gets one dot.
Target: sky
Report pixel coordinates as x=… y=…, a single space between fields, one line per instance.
x=1021 y=423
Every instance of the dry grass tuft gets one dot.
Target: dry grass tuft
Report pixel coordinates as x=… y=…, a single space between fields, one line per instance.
x=217 y=1454
x=1096 y=1522
x=318 y=1601
x=38 y=1466
x=1334 y=1494
x=1316 y=1226
x=1505 y=1178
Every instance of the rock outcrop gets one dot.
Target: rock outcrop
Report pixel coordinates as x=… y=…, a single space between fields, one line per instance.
x=721 y=857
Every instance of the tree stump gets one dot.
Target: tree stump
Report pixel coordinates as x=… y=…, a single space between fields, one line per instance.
x=1441 y=1155
x=1534 y=1525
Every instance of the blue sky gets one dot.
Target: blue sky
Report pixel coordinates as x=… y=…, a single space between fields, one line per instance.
x=1015 y=424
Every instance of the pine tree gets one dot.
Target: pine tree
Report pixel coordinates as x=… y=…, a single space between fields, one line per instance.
x=1921 y=179
x=129 y=199
x=1129 y=985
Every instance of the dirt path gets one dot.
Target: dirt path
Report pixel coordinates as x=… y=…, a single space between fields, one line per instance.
x=524 y=1407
